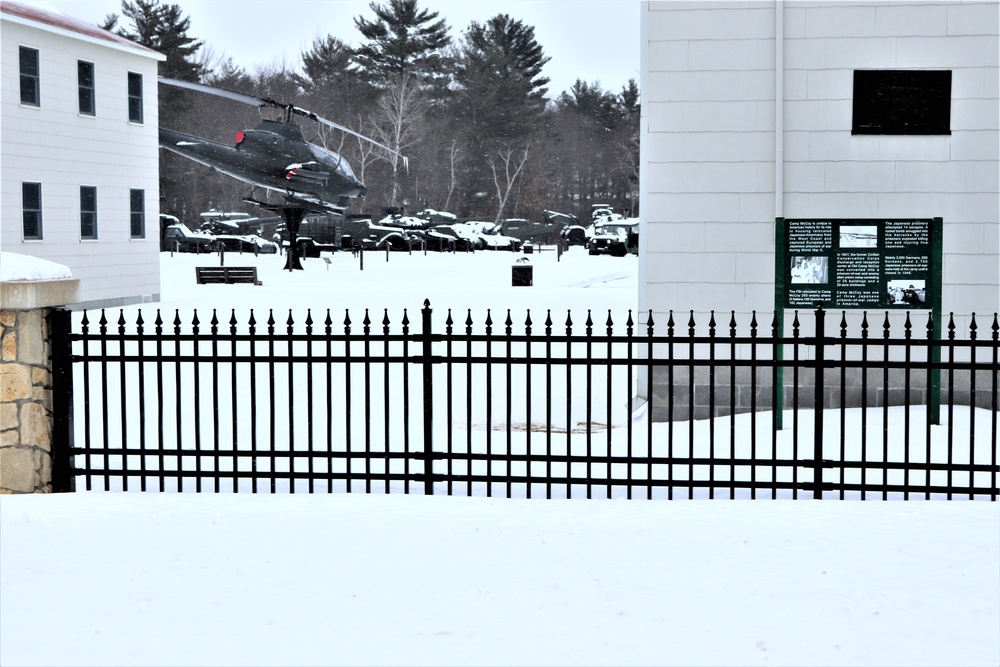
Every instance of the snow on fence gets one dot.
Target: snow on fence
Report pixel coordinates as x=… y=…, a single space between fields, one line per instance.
x=529 y=409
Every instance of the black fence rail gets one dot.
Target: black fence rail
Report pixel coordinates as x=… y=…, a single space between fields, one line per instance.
x=537 y=409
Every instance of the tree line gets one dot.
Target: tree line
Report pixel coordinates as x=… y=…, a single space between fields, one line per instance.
x=473 y=115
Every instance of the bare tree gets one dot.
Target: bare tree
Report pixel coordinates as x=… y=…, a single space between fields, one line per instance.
x=399 y=110
x=366 y=155
x=511 y=167
x=453 y=153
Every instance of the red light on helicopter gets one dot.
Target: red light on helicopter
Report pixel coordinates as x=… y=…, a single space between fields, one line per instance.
x=240 y=136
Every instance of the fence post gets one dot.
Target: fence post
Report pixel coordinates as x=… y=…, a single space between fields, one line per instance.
x=818 y=403
x=62 y=401
x=428 y=369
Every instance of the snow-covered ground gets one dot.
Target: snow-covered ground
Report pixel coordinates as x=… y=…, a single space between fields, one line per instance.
x=204 y=579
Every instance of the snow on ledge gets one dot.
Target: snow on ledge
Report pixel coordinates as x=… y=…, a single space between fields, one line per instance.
x=15 y=267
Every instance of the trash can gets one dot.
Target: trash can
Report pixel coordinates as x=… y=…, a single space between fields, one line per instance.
x=521 y=273
x=528 y=248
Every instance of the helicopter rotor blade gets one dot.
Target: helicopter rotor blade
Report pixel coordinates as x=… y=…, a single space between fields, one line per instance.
x=329 y=123
x=221 y=92
x=266 y=102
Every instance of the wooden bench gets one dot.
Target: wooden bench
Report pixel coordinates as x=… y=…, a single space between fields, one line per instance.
x=226 y=275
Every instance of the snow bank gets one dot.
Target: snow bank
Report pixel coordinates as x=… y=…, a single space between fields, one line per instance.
x=24 y=267
x=186 y=579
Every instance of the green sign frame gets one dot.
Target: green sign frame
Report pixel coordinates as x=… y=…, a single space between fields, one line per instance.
x=879 y=264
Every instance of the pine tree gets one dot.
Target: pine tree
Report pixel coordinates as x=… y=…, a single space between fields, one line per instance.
x=404 y=59
x=500 y=96
x=402 y=40
x=163 y=28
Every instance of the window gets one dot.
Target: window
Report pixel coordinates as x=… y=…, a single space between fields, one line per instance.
x=29 y=77
x=134 y=97
x=902 y=102
x=31 y=207
x=88 y=212
x=137 y=206
x=85 y=82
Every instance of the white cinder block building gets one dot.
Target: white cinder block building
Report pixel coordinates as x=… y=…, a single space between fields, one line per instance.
x=752 y=112
x=79 y=152
x=870 y=111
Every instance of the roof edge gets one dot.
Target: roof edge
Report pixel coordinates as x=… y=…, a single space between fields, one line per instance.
x=69 y=26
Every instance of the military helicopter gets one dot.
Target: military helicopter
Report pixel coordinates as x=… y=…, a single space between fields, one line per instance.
x=275 y=156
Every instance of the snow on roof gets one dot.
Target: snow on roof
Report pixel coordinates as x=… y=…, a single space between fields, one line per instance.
x=48 y=15
x=24 y=267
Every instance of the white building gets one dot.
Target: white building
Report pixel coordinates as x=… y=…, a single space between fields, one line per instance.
x=79 y=152
x=750 y=115
x=816 y=110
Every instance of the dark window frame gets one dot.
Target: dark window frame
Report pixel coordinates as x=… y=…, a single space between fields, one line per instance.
x=137 y=213
x=85 y=81
x=135 y=98
x=30 y=76
x=88 y=213
x=901 y=102
x=31 y=211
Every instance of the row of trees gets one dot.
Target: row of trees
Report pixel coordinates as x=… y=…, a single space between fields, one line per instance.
x=473 y=115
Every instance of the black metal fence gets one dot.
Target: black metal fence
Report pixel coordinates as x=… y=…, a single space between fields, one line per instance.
x=549 y=410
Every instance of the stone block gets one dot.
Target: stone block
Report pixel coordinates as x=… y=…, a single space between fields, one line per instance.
x=15 y=382
x=18 y=470
x=31 y=338
x=8 y=416
x=41 y=377
x=35 y=429
x=8 y=346
x=10 y=437
x=42 y=397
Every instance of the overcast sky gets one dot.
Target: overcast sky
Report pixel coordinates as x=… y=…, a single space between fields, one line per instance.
x=593 y=40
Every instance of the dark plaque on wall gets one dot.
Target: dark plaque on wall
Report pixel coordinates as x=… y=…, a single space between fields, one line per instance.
x=902 y=102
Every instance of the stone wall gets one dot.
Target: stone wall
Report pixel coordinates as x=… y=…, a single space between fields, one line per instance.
x=25 y=402
x=26 y=418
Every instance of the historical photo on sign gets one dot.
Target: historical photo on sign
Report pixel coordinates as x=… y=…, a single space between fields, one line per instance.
x=909 y=292
x=810 y=270
x=858 y=236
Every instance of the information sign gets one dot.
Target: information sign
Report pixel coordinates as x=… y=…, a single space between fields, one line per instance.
x=858 y=263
